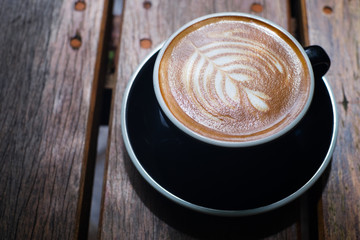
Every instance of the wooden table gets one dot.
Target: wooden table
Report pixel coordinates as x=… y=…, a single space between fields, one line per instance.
x=53 y=66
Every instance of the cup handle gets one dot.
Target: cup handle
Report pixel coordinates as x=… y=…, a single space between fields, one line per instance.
x=319 y=59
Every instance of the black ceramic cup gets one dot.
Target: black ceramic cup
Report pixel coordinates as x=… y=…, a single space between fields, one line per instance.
x=316 y=64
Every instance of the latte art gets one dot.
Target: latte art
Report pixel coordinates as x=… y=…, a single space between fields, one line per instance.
x=233 y=79
x=228 y=65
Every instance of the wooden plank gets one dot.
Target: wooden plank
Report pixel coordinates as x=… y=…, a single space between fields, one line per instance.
x=48 y=91
x=335 y=25
x=131 y=209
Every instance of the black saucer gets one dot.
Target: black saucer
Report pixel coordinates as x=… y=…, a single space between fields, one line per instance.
x=225 y=181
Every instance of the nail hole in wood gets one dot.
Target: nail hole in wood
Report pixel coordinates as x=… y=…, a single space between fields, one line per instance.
x=257 y=8
x=75 y=41
x=145 y=43
x=327 y=10
x=147 y=4
x=80 y=5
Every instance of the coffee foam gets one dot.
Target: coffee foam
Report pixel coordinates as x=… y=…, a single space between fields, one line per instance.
x=233 y=78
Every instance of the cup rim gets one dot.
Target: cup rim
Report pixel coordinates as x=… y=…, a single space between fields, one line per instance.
x=222 y=143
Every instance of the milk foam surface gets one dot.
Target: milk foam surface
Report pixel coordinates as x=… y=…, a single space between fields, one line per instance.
x=232 y=78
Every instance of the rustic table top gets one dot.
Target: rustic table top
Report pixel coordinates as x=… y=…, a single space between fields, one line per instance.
x=54 y=67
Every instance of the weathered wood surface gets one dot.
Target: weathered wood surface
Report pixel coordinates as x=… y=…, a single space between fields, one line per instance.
x=335 y=25
x=47 y=105
x=131 y=209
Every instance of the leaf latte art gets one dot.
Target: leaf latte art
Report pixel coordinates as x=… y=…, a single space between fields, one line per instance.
x=216 y=74
x=233 y=79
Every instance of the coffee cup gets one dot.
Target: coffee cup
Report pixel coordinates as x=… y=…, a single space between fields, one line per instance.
x=236 y=80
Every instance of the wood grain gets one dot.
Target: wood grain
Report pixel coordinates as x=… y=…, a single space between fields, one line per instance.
x=47 y=104
x=335 y=25
x=131 y=209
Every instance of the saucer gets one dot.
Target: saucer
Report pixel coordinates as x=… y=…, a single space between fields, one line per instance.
x=225 y=181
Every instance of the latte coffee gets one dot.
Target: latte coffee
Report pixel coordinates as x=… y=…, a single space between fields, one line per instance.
x=234 y=78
